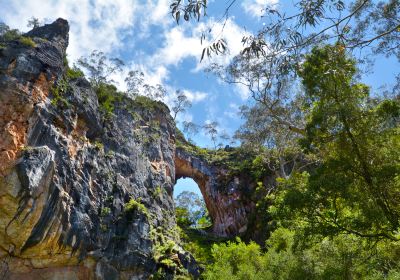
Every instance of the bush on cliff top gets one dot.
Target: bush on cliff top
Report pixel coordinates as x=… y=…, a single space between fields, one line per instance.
x=15 y=35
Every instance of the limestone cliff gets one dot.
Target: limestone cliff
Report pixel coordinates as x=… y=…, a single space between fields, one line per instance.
x=82 y=196
x=86 y=193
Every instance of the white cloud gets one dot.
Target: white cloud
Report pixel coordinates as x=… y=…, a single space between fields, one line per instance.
x=177 y=47
x=242 y=91
x=256 y=8
x=159 y=12
x=107 y=25
x=182 y=42
x=233 y=111
x=95 y=25
x=195 y=96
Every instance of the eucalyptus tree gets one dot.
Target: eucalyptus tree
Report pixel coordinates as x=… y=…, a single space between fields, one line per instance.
x=268 y=62
x=99 y=67
x=136 y=85
x=134 y=81
x=180 y=103
x=211 y=129
x=355 y=188
x=34 y=22
x=190 y=128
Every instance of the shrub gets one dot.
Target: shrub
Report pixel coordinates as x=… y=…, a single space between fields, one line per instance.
x=105 y=211
x=183 y=217
x=341 y=257
x=74 y=73
x=27 y=41
x=107 y=95
x=11 y=35
x=134 y=205
x=59 y=90
x=157 y=192
x=163 y=251
x=236 y=260
x=15 y=35
x=99 y=146
x=199 y=244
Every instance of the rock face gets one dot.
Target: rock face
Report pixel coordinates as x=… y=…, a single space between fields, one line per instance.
x=86 y=195
x=68 y=173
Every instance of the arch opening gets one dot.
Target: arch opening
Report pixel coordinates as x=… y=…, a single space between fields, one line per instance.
x=190 y=207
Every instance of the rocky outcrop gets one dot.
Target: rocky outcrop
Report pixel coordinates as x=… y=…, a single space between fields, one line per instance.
x=85 y=191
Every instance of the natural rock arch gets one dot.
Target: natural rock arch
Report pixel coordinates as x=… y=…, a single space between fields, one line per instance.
x=223 y=199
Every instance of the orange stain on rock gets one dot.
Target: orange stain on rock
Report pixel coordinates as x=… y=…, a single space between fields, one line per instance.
x=16 y=107
x=40 y=89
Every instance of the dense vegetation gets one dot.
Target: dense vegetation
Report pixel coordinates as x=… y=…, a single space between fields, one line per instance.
x=338 y=218
x=331 y=144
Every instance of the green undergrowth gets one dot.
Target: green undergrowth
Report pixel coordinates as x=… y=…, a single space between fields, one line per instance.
x=132 y=205
x=74 y=73
x=286 y=257
x=27 y=41
x=148 y=103
x=165 y=254
x=237 y=160
x=110 y=98
x=107 y=96
x=59 y=91
x=199 y=243
x=60 y=88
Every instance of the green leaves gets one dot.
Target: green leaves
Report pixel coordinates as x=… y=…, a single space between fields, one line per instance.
x=341 y=257
x=191 y=210
x=353 y=189
x=218 y=47
x=190 y=9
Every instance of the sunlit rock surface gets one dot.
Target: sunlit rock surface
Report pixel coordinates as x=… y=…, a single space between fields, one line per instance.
x=67 y=172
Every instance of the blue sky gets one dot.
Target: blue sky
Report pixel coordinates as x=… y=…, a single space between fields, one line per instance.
x=145 y=36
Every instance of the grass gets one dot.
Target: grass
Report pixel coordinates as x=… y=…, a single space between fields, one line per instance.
x=27 y=41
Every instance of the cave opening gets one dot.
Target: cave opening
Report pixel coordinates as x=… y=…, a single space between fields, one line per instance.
x=190 y=207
